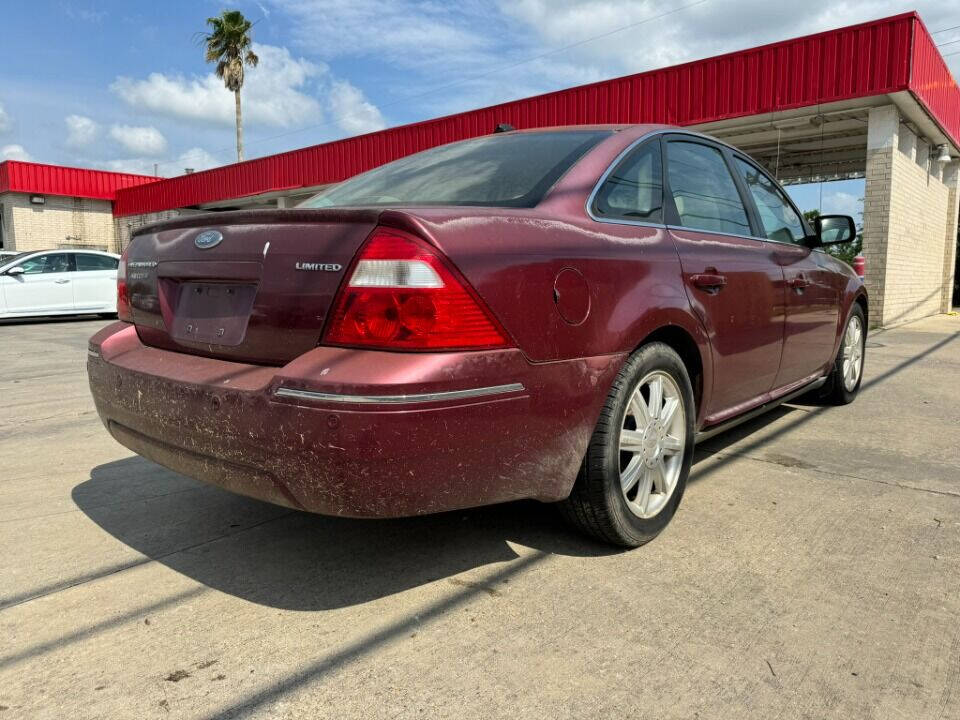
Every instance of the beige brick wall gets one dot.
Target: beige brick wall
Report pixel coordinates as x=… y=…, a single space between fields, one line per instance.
x=908 y=212
x=58 y=222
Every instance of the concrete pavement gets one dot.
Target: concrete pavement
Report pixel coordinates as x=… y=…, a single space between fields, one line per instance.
x=812 y=572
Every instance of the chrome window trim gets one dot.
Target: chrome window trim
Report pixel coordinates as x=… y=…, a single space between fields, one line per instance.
x=744 y=157
x=744 y=237
x=399 y=399
x=616 y=161
x=717 y=232
x=603 y=178
x=677 y=131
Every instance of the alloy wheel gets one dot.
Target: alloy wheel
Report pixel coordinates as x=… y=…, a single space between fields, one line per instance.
x=652 y=442
x=852 y=353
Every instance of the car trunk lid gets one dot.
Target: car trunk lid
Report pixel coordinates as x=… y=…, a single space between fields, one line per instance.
x=252 y=286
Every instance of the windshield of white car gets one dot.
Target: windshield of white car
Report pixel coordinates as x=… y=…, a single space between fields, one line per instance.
x=10 y=259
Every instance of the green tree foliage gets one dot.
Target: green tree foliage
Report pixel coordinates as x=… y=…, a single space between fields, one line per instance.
x=844 y=251
x=228 y=45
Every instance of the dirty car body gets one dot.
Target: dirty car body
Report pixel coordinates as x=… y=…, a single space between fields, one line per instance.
x=416 y=354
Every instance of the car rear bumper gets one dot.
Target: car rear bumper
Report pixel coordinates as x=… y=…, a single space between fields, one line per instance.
x=353 y=432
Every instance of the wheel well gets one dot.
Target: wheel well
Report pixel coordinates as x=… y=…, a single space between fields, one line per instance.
x=861 y=300
x=685 y=346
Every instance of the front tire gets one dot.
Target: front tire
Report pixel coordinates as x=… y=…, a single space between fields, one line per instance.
x=636 y=467
x=847 y=373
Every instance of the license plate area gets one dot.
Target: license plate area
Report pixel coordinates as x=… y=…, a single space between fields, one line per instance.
x=213 y=313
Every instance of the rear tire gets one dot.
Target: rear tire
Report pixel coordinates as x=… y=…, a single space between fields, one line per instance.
x=636 y=466
x=847 y=374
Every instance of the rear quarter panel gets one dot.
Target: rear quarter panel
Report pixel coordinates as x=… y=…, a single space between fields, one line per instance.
x=512 y=258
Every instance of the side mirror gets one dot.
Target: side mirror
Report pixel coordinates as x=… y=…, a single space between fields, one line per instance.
x=14 y=271
x=834 y=229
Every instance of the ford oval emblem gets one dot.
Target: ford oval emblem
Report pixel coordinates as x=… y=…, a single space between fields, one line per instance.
x=208 y=239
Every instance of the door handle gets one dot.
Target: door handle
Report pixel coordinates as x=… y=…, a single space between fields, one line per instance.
x=709 y=281
x=799 y=283
x=61 y=282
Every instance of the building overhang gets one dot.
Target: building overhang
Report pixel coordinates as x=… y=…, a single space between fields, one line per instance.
x=826 y=142
x=41 y=179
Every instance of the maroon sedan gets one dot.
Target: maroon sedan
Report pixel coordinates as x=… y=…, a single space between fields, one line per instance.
x=551 y=314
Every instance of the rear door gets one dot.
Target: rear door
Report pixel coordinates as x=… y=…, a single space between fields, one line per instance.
x=94 y=282
x=44 y=287
x=732 y=278
x=812 y=295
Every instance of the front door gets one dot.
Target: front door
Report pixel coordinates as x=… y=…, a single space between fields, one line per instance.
x=43 y=287
x=732 y=278
x=812 y=298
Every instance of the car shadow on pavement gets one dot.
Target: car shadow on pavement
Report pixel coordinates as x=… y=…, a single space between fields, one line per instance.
x=294 y=560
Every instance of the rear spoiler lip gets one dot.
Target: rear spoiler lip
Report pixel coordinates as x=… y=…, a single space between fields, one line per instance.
x=263 y=217
x=402 y=217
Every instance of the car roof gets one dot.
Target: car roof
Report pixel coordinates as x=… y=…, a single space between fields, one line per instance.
x=88 y=251
x=611 y=127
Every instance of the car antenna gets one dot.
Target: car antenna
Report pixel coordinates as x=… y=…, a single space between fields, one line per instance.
x=504 y=127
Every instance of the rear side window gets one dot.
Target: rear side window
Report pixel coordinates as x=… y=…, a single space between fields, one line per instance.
x=780 y=221
x=704 y=192
x=506 y=170
x=634 y=190
x=95 y=262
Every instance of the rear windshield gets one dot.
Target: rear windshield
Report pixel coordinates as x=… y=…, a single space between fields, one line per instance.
x=510 y=170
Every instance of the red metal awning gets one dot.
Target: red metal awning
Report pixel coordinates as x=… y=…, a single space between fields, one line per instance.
x=29 y=177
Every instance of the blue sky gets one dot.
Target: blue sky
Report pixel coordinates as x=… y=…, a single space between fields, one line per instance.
x=123 y=85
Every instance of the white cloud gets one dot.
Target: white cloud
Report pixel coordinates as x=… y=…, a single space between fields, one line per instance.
x=842 y=203
x=352 y=111
x=81 y=131
x=139 y=140
x=471 y=49
x=694 y=32
x=196 y=158
x=85 y=14
x=5 y=122
x=410 y=34
x=15 y=152
x=274 y=93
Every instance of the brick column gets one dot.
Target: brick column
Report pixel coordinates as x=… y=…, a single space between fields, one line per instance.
x=951 y=175
x=882 y=137
x=909 y=212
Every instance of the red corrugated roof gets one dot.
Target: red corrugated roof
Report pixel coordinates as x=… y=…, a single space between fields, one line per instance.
x=875 y=58
x=863 y=60
x=29 y=177
x=932 y=83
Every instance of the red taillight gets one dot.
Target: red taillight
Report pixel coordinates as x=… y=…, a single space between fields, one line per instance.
x=123 y=295
x=401 y=295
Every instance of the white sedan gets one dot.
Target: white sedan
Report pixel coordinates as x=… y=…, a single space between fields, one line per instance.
x=58 y=282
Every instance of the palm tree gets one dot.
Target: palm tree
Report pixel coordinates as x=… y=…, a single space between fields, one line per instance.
x=228 y=45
